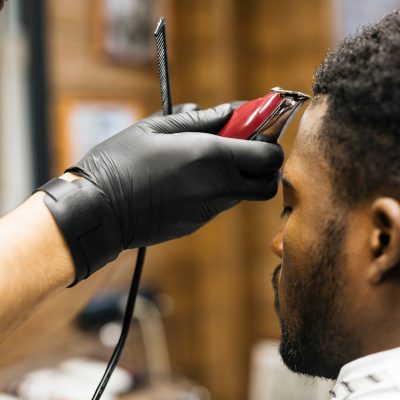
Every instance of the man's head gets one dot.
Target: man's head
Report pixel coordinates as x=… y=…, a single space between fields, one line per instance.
x=338 y=289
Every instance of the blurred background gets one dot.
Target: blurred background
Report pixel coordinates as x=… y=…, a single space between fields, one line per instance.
x=73 y=73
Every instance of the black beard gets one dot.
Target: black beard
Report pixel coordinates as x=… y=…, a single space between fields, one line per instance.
x=315 y=342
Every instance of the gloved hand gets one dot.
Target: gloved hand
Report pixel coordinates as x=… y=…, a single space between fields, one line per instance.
x=163 y=178
x=187 y=107
x=179 y=108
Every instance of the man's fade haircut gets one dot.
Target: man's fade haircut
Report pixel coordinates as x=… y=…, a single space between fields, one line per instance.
x=361 y=129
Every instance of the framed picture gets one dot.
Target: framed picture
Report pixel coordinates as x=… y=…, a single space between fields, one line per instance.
x=125 y=29
x=84 y=122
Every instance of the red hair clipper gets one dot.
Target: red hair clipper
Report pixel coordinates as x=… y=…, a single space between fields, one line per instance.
x=265 y=118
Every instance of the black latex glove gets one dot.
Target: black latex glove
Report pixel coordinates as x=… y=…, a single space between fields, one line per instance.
x=187 y=107
x=164 y=182
x=160 y=179
x=178 y=108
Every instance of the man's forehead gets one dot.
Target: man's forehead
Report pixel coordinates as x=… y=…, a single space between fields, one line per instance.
x=306 y=153
x=311 y=124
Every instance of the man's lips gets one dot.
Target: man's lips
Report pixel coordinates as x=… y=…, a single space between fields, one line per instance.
x=275 y=276
x=275 y=284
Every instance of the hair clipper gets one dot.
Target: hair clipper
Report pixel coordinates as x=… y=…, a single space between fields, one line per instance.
x=265 y=118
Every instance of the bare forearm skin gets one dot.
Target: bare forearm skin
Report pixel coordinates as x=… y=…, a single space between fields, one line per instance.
x=35 y=263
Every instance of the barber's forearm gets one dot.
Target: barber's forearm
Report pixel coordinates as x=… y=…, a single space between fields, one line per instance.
x=35 y=262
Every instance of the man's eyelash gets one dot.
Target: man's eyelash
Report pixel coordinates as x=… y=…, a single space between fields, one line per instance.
x=286 y=212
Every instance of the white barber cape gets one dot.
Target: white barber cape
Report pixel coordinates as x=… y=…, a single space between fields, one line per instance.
x=376 y=377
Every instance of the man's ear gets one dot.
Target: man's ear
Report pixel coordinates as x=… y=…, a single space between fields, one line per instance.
x=385 y=238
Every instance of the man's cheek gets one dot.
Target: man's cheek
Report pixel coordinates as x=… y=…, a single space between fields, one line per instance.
x=291 y=287
x=284 y=292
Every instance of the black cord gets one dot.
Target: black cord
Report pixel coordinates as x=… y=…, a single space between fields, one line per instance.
x=130 y=306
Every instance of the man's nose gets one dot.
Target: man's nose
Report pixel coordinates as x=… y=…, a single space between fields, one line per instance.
x=277 y=244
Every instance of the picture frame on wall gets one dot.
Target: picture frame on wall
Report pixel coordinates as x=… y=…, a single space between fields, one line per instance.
x=125 y=29
x=83 y=122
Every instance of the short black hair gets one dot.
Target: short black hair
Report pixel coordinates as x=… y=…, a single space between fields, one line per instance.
x=361 y=129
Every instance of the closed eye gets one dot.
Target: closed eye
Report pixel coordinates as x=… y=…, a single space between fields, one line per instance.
x=286 y=212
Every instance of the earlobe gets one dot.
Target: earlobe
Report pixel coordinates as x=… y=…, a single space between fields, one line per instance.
x=385 y=238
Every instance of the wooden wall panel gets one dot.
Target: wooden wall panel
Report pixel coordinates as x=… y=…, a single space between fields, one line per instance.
x=281 y=44
x=265 y=44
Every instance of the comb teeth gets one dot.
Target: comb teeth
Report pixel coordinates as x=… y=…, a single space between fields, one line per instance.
x=162 y=62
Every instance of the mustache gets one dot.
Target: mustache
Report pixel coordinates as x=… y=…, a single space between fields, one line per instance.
x=274 y=281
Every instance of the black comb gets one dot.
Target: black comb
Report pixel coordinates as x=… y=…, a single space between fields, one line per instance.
x=162 y=61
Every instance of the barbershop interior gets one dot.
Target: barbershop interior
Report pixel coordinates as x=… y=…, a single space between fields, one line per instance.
x=73 y=74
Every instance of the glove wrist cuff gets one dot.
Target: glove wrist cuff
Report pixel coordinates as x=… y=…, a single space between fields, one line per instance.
x=86 y=221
